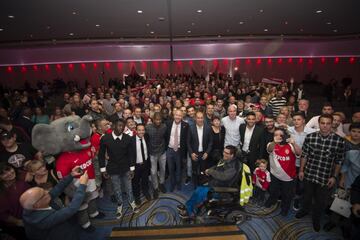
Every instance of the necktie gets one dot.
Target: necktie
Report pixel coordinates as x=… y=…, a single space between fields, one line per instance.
x=176 y=136
x=142 y=150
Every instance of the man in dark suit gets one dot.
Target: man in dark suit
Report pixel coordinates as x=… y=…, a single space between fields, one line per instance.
x=24 y=121
x=140 y=181
x=44 y=219
x=118 y=112
x=252 y=140
x=176 y=142
x=200 y=143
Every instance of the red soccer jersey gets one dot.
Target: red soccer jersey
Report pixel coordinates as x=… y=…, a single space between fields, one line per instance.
x=68 y=160
x=282 y=162
x=95 y=141
x=261 y=178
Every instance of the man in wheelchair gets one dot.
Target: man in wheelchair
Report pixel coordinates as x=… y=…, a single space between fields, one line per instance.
x=222 y=189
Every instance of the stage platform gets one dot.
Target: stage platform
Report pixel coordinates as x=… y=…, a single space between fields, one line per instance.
x=181 y=232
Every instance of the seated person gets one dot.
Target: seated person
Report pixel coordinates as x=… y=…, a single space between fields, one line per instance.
x=224 y=174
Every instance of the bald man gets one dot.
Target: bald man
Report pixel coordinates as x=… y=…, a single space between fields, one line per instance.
x=45 y=220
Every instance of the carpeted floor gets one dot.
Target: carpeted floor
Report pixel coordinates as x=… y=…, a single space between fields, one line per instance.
x=264 y=223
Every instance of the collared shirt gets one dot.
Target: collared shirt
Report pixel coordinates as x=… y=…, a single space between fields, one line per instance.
x=247 y=138
x=138 y=120
x=321 y=153
x=139 y=158
x=156 y=138
x=299 y=138
x=172 y=135
x=200 y=133
x=115 y=137
x=128 y=132
x=232 y=133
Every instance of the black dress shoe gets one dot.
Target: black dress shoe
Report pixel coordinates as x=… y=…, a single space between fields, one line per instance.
x=156 y=193
x=162 y=188
x=301 y=214
x=187 y=180
x=100 y=216
x=316 y=226
x=329 y=226
x=90 y=229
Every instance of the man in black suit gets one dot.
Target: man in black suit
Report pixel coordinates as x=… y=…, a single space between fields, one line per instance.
x=200 y=143
x=252 y=140
x=140 y=181
x=118 y=112
x=176 y=142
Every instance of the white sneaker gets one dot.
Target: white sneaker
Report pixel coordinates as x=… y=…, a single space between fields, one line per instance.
x=134 y=207
x=119 y=211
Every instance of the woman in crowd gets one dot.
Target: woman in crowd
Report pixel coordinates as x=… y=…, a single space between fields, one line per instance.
x=11 y=189
x=286 y=112
x=40 y=117
x=77 y=106
x=58 y=113
x=218 y=141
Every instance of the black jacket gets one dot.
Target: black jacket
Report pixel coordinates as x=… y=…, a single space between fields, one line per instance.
x=183 y=136
x=193 y=139
x=225 y=173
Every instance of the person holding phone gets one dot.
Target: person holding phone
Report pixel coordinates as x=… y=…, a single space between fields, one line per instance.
x=282 y=157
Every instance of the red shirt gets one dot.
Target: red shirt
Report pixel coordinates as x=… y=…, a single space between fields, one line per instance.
x=282 y=162
x=261 y=178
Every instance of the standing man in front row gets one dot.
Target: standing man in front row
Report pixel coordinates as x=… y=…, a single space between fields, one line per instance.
x=321 y=158
x=176 y=139
x=121 y=164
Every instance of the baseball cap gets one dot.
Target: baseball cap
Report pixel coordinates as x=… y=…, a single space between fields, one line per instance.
x=4 y=134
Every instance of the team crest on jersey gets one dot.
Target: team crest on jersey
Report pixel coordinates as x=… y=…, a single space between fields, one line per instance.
x=287 y=151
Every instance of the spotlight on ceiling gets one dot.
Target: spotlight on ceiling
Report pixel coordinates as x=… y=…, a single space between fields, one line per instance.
x=11 y=16
x=241 y=23
x=1 y=29
x=265 y=30
x=161 y=19
x=97 y=25
x=139 y=11
x=152 y=32
x=71 y=34
x=199 y=11
x=319 y=11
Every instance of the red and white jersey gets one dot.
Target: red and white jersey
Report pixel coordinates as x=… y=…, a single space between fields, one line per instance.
x=282 y=162
x=68 y=160
x=261 y=178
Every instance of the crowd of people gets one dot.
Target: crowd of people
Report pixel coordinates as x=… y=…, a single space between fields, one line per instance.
x=152 y=137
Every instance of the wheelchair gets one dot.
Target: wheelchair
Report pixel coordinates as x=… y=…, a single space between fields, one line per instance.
x=223 y=204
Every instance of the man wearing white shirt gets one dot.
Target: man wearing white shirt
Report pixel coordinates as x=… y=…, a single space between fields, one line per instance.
x=314 y=122
x=298 y=132
x=140 y=182
x=231 y=124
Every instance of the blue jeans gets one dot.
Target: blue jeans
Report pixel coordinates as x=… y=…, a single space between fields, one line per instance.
x=199 y=196
x=174 y=165
x=122 y=181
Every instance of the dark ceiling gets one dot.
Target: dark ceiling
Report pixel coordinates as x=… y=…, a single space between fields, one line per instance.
x=46 y=20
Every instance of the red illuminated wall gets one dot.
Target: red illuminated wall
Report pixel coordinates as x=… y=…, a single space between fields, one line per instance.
x=257 y=68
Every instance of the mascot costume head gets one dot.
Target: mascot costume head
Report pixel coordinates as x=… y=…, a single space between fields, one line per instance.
x=68 y=138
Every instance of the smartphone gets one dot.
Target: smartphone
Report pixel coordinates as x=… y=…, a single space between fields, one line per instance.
x=80 y=171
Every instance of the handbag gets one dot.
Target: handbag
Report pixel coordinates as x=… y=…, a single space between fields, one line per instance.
x=341 y=204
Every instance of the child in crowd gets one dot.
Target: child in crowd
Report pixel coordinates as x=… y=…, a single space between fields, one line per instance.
x=261 y=180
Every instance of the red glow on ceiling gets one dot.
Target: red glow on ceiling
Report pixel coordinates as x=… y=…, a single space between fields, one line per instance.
x=225 y=62
x=352 y=60
x=83 y=65
x=290 y=60
x=280 y=60
x=202 y=62
x=58 y=66
x=155 y=64
x=46 y=67
x=190 y=62
x=71 y=66
x=107 y=65
x=237 y=61
x=248 y=61
x=23 y=69
x=9 y=69
x=322 y=60
x=310 y=61
x=269 y=61
x=215 y=62
x=35 y=67
x=119 y=65
x=179 y=63
x=336 y=60
x=95 y=65
x=301 y=60
x=258 y=61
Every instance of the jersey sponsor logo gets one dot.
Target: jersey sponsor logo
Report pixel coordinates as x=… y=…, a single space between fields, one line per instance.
x=86 y=164
x=281 y=158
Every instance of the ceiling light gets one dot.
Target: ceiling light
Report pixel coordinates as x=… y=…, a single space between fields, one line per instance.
x=148 y=24
x=199 y=11
x=219 y=36
x=48 y=27
x=74 y=13
x=11 y=16
x=241 y=23
x=328 y=23
x=161 y=19
x=319 y=11
x=71 y=34
x=152 y=32
x=111 y=33
x=335 y=30
x=97 y=25
x=265 y=30
x=301 y=30
x=286 y=23
x=139 y=11
x=192 y=24
x=261 y=10
x=189 y=31
x=1 y=29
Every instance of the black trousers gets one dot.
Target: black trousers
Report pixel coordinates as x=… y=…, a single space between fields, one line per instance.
x=259 y=194
x=140 y=182
x=197 y=167
x=315 y=198
x=283 y=188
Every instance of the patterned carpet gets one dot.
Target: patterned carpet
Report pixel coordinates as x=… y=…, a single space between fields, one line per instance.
x=265 y=224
